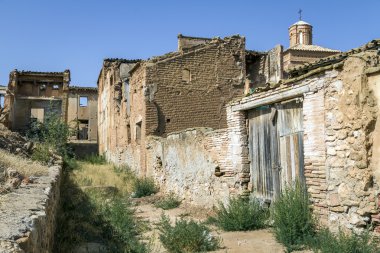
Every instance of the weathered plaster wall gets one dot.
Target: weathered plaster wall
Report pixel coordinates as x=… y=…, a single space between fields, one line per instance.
x=28 y=215
x=201 y=165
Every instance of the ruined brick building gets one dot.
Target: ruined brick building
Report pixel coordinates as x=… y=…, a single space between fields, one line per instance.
x=169 y=116
x=320 y=126
x=32 y=96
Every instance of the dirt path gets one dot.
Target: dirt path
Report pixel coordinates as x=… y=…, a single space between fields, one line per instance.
x=261 y=241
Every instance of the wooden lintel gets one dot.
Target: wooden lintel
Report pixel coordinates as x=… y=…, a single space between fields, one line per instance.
x=281 y=96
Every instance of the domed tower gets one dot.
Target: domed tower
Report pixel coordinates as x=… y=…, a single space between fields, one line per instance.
x=300 y=33
x=301 y=49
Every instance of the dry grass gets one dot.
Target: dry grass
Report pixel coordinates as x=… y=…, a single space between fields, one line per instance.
x=25 y=167
x=103 y=175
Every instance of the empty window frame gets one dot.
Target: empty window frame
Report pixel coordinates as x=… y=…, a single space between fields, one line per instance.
x=129 y=133
x=55 y=86
x=83 y=101
x=1 y=101
x=138 y=132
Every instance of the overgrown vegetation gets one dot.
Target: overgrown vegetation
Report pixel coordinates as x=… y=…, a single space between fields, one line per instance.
x=186 y=236
x=52 y=136
x=95 y=159
x=293 y=221
x=94 y=210
x=144 y=186
x=326 y=242
x=241 y=215
x=23 y=165
x=167 y=202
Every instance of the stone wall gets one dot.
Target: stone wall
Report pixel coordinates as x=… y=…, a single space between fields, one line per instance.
x=351 y=115
x=341 y=138
x=28 y=215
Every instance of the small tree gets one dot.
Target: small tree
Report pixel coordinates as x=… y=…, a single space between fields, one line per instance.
x=53 y=134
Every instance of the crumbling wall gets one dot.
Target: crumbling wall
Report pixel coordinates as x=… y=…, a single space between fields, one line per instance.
x=191 y=89
x=28 y=215
x=201 y=165
x=28 y=205
x=77 y=114
x=115 y=96
x=351 y=116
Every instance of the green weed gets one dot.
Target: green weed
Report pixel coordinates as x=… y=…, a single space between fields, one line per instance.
x=326 y=242
x=241 y=215
x=293 y=221
x=144 y=187
x=186 y=236
x=169 y=201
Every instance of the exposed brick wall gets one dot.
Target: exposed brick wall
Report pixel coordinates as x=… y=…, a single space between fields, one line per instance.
x=315 y=151
x=217 y=75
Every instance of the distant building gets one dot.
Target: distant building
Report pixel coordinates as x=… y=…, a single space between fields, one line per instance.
x=301 y=49
x=32 y=96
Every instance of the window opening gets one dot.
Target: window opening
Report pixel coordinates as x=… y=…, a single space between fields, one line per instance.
x=83 y=101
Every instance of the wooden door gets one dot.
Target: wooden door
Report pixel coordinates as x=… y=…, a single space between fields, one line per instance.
x=263 y=152
x=275 y=147
x=290 y=131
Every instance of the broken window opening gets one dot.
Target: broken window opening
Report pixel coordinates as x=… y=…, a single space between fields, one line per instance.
x=37 y=114
x=82 y=130
x=55 y=86
x=138 y=132
x=129 y=133
x=2 y=98
x=83 y=101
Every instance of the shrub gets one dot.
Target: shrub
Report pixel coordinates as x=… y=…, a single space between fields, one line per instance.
x=41 y=153
x=144 y=187
x=124 y=226
x=53 y=135
x=293 y=220
x=241 y=215
x=95 y=159
x=168 y=202
x=186 y=236
x=326 y=242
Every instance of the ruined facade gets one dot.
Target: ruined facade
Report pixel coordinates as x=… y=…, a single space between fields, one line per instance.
x=32 y=96
x=82 y=112
x=169 y=116
x=320 y=126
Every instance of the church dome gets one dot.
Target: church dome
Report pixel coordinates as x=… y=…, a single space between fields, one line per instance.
x=301 y=22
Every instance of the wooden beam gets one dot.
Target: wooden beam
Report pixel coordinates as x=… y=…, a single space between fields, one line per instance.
x=281 y=96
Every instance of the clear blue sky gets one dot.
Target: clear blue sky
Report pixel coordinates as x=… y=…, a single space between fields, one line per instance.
x=54 y=35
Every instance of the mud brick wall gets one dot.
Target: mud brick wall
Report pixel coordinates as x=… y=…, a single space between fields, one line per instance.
x=191 y=89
